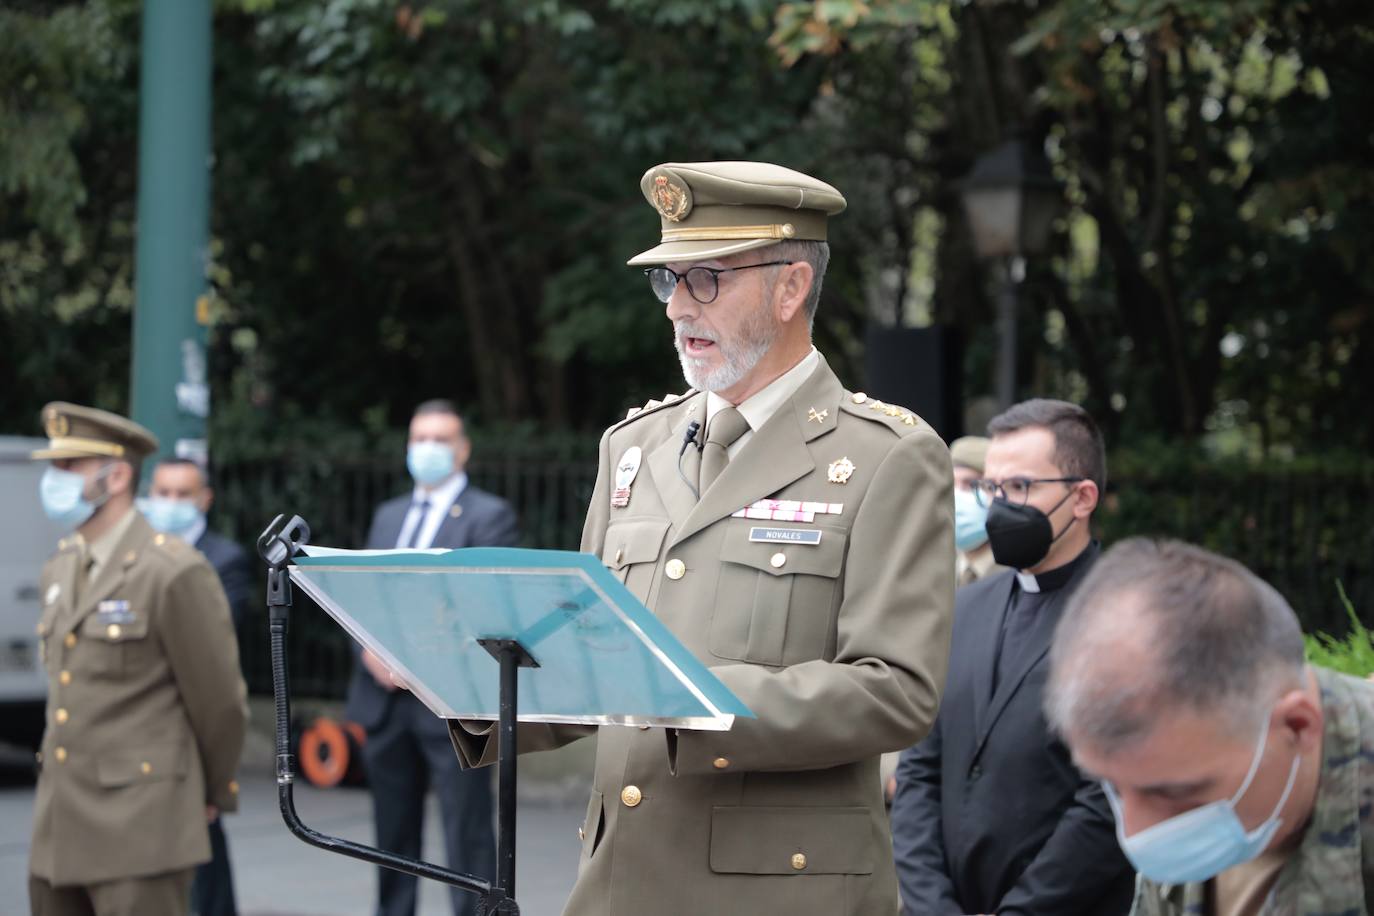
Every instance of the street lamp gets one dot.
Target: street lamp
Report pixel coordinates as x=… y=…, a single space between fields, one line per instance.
x=1011 y=197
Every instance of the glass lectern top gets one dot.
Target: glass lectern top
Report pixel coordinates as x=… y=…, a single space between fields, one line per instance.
x=603 y=657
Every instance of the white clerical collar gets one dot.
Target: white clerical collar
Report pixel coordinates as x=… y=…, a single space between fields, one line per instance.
x=1028 y=582
x=445 y=495
x=759 y=407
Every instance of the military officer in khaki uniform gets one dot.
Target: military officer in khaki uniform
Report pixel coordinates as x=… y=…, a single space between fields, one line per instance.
x=146 y=707
x=796 y=537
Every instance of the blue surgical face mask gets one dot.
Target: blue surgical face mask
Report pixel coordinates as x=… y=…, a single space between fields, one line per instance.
x=1200 y=844
x=429 y=462
x=174 y=516
x=970 y=521
x=62 y=493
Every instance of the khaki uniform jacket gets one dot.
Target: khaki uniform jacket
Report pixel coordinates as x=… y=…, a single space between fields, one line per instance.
x=146 y=712
x=1332 y=870
x=839 y=648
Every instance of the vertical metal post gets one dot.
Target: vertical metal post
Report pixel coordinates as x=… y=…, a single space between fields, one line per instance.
x=170 y=394
x=1013 y=272
x=505 y=835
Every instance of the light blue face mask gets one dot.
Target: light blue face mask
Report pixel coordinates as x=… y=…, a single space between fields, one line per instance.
x=1202 y=843
x=62 y=495
x=970 y=521
x=429 y=462
x=174 y=516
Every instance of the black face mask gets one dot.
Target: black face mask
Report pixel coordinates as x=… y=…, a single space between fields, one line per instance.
x=1021 y=536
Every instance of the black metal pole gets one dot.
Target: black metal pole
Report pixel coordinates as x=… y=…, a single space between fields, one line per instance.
x=507 y=751
x=277 y=545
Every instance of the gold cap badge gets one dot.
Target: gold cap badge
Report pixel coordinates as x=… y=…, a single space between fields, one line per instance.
x=670 y=200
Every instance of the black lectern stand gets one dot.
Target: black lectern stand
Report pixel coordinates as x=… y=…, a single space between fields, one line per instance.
x=277 y=545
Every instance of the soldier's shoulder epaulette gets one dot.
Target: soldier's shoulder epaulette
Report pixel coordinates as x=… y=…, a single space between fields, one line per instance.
x=654 y=405
x=173 y=549
x=901 y=421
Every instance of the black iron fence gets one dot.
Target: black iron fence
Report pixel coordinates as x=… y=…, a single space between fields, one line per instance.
x=1301 y=529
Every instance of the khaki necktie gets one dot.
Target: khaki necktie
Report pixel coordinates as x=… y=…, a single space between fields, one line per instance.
x=726 y=427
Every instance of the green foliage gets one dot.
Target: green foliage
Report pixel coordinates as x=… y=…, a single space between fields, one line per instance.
x=1353 y=654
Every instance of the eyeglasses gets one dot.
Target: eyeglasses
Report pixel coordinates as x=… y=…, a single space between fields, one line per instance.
x=1015 y=490
x=702 y=282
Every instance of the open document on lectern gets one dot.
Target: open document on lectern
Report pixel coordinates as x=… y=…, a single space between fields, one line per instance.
x=603 y=658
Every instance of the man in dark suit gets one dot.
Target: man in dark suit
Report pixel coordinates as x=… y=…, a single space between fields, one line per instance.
x=408 y=747
x=991 y=815
x=179 y=497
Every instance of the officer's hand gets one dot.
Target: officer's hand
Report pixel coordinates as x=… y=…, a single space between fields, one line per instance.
x=211 y=814
x=380 y=673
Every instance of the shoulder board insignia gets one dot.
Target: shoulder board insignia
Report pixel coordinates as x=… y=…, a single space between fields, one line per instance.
x=654 y=404
x=861 y=404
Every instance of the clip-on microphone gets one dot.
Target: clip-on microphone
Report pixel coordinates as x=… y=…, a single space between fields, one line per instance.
x=688 y=438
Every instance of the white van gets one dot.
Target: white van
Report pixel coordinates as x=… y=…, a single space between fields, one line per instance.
x=27 y=539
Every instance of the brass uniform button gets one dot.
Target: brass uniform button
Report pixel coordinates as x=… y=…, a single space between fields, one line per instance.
x=130 y=557
x=70 y=641
x=233 y=787
x=113 y=631
x=859 y=397
x=675 y=569
x=631 y=796
x=798 y=860
x=720 y=763
x=160 y=539
x=644 y=728
x=582 y=834
x=777 y=560
x=146 y=767
x=64 y=678
x=60 y=716
x=60 y=754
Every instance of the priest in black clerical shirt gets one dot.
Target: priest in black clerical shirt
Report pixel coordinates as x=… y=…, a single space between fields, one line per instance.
x=991 y=815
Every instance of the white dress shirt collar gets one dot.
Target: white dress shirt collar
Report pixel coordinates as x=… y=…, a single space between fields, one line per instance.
x=759 y=407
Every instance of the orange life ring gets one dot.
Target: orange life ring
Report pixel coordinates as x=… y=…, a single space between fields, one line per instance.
x=329 y=752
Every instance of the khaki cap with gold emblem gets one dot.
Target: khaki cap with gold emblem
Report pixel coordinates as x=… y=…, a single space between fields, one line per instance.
x=83 y=432
x=969 y=452
x=714 y=209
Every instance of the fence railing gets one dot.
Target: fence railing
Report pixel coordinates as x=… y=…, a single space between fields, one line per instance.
x=1299 y=530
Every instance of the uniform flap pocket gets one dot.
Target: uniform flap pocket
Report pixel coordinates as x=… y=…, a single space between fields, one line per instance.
x=634 y=542
x=782 y=558
x=115 y=623
x=123 y=768
x=792 y=841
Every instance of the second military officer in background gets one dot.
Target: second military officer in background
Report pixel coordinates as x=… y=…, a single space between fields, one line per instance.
x=146 y=706
x=803 y=550
x=179 y=497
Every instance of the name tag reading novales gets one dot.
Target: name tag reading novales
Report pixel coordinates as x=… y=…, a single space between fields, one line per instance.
x=785 y=535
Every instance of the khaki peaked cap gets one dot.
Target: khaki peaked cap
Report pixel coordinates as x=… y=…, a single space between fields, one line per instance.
x=969 y=452
x=714 y=209
x=83 y=432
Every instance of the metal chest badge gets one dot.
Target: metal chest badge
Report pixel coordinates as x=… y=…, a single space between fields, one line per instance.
x=626 y=469
x=840 y=470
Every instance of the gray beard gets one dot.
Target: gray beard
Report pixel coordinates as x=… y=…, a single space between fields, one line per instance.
x=738 y=357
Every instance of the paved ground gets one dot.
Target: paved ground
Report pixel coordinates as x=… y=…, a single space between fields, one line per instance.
x=276 y=874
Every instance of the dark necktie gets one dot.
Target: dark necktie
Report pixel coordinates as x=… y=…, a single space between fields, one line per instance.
x=414 y=538
x=726 y=427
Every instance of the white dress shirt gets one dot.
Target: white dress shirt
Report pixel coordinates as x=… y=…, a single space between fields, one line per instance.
x=440 y=499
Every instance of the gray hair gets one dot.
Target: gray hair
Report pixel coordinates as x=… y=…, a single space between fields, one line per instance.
x=1160 y=626
x=817 y=254
x=1078 y=447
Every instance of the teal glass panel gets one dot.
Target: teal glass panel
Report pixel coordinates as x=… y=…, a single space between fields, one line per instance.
x=603 y=657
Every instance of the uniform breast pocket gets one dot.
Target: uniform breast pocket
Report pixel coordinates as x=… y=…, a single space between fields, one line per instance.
x=631 y=552
x=776 y=603
x=108 y=647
